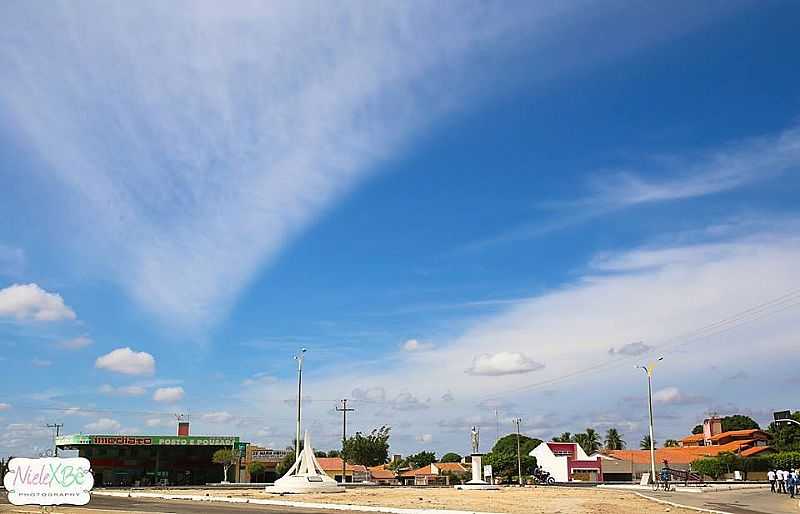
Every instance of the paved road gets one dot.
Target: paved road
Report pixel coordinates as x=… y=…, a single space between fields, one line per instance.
x=745 y=501
x=106 y=503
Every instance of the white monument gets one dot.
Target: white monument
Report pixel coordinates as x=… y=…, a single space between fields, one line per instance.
x=305 y=475
x=477 y=482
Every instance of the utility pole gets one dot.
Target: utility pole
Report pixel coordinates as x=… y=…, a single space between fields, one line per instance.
x=344 y=410
x=517 y=421
x=58 y=427
x=497 y=426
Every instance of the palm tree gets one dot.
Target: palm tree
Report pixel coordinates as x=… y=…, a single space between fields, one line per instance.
x=614 y=440
x=670 y=443
x=592 y=442
x=565 y=437
x=644 y=444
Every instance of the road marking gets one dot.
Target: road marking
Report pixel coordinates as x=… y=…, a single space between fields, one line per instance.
x=680 y=505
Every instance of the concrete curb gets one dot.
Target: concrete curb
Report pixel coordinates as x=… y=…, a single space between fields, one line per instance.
x=679 y=505
x=285 y=503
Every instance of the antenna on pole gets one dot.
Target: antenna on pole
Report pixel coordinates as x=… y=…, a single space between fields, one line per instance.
x=58 y=427
x=344 y=410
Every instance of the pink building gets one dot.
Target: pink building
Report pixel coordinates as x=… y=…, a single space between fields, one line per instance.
x=567 y=462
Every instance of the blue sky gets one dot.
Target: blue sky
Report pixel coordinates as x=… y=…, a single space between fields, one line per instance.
x=466 y=213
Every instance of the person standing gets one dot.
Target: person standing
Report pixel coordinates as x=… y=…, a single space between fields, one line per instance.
x=771 y=478
x=791 y=482
x=779 y=477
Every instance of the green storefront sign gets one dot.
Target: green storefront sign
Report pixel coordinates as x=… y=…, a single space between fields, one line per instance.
x=146 y=440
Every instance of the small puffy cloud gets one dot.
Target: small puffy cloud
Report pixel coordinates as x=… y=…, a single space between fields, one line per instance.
x=413 y=345
x=168 y=394
x=41 y=363
x=127 y=361
x=132 y=390
x=372 y=394
x=424 y=438
x=105 y=425
x=631 y=349
x=674 y=396
x=407 y=401
x=448 y=397
x=4 y=407
x=217 y=417
x=503 y=363
x=31 y=302
x=76 y=343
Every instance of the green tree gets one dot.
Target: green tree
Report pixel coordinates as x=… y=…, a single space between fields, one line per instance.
x=368 y=450
x=589 y=441
x=450 y=457
x=785 y=460
x=738 y=422
x=225 y=457
x=503 y=457
x=709 y=467
x=644 y=444
x=671 y=443
x=320 y=454
x=565 y=437
x=285 y=463
x=785 y=436
x=698 y=429
x=256 y=470
x=334 y=453
x=421 y=459
x=614 y=440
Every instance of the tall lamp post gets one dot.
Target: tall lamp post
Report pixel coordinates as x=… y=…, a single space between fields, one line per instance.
x=649 y=371
x=299 y=359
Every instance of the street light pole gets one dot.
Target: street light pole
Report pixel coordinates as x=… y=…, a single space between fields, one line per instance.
x=299 y=359
x=649 y=371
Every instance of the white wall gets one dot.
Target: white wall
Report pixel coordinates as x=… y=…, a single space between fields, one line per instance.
x=555 y=465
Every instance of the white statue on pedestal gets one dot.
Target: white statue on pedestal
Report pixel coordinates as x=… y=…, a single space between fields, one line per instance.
x=477 y=481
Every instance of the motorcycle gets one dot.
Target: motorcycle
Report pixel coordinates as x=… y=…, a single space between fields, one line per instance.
x=542 y=477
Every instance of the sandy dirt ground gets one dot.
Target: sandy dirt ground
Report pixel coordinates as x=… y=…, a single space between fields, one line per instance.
x=509 y=500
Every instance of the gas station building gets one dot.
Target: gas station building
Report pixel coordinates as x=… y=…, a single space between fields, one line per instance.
x=131 y=460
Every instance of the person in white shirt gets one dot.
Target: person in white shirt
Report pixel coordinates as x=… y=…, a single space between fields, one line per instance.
x=771 y=478
x=780 y=475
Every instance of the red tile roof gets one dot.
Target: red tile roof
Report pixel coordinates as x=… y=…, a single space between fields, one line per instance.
x=381 y=473
x=335 y=464
x=693 y=438
x=749 y=433
x=755 y=450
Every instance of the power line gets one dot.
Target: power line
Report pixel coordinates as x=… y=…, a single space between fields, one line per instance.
x=755 y=313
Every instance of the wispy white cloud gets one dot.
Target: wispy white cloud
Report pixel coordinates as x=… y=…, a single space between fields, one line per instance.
x=131 y=390
x=721 y=169
x=198 y=140
x=104 y=426
x=76 y=343
x=679 y=177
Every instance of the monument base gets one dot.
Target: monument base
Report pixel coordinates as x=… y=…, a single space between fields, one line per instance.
x=476 y=486
x=298 y=484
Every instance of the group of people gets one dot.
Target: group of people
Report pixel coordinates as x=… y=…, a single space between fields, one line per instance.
x=784 y=482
